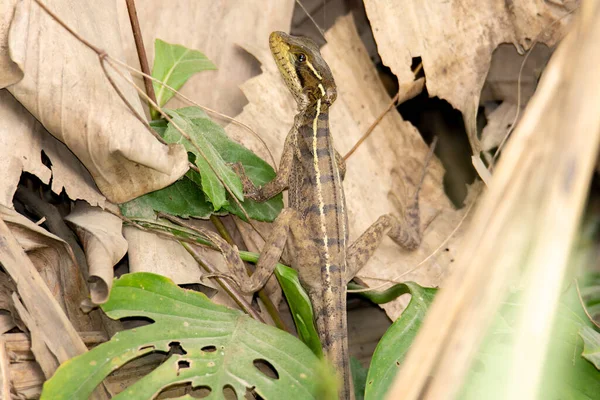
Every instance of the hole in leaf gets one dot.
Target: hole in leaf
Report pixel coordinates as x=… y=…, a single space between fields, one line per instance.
x=175 y=348
x=151 y=347
x=266 y=368
x=229 y=392
x=183 y=364
x=209 y=349
x=185 y=388
x=252 y=395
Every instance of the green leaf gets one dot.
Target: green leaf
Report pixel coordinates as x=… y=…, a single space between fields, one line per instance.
x=394 y=344
x=381 y=296
x=566 y=374
x=359 y=377
x=174 y=65
x=259 y=171
x=221 y=347
x=183 y=198
x=299 y=302
x=211 y=185
x=591 y=345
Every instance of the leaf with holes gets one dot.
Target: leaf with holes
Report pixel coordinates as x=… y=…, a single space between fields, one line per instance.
x=221 y=349
x=174 y=65
x=396 y=341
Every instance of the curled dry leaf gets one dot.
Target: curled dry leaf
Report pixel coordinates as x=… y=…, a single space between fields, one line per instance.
x=455 y=41
x=65 y=88
x=387 y=165
x=100 y=233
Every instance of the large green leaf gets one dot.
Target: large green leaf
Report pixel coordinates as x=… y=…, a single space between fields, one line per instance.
x=221 y=348
x=566 y=374
x=394 y=344
x=174 y=65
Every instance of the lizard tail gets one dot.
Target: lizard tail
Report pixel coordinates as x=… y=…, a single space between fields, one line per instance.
x=332 y=328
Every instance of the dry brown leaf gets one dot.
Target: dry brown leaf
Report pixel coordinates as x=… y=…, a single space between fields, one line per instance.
x=100 y=233
x=149 y=252
x=455 y=41
x=499 y=122
x=56 y=331
x=13 y=29
x=22 y=140
x=65 y=88
x=55 y=263
x=213 y=28
x=389 y=162
x=502 y=82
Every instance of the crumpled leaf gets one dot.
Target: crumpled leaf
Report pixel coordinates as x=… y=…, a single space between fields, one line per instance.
x=221 y=347
x=455 y=41
x=65 y=88
x=174 y=65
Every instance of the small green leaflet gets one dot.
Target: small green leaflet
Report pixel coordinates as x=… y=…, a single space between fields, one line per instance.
x=221 y=347
x=211 y=185
x=174 y=65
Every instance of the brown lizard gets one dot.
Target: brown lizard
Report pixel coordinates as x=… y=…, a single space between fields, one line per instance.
x=315 y=224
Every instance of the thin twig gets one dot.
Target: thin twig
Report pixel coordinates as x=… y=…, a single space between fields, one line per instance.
x=139 y=45
x=321 y=31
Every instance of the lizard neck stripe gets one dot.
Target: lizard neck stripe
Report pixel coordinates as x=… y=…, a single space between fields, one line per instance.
x=322 y=89
x=327 y=278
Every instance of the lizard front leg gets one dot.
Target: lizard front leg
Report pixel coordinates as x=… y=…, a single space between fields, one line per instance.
x=281 y=180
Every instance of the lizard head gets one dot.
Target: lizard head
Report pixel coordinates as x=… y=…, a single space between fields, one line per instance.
x=303 y=69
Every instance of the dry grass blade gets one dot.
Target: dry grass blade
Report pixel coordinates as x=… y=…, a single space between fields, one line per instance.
x=526 y=222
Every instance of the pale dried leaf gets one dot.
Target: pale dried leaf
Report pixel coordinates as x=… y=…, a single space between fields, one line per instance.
x=152 y=253
x=43 y=355
x=195 y=24
x=455 y=41
x=13 y=28
x=54 y=260
x=502 y=82
x=65 y=88
x=22 y=140
x=388 y=164
x=499 y=122
x=100 y=233
x=58 y=333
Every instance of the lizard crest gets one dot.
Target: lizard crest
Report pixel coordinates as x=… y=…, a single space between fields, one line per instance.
x=303 y=69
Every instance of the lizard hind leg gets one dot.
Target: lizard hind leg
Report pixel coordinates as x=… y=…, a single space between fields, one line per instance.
x=267 y=260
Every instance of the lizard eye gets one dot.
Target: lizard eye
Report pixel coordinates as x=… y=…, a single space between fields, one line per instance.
x=301 y=57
